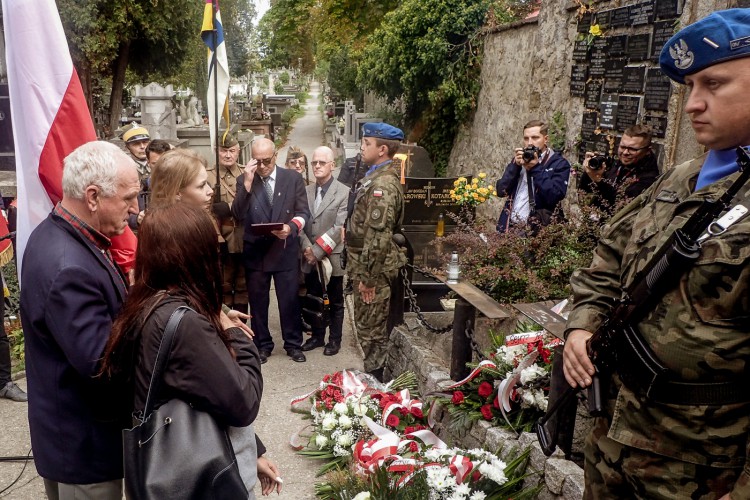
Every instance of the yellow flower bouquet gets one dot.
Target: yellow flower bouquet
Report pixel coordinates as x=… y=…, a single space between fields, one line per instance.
x=472 y=193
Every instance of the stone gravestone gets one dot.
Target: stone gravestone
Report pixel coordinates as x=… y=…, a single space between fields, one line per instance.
x=157 y=112
x=425 y=198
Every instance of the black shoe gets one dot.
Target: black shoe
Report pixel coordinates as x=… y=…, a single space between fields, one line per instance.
x=296 y=355
x=312 y=343
x=263 y=355
x=332 y=348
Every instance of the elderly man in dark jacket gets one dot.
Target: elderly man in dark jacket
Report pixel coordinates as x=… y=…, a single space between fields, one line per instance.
x=535 y=181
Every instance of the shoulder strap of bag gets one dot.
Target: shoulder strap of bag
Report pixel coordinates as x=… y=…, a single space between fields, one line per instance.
x=165 y=347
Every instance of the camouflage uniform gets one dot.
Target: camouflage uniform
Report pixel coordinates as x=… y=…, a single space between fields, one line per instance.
x=699 y=330
x=235 y=289
x=374 y=259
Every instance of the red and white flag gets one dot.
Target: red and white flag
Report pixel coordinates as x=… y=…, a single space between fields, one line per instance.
x=49 y=113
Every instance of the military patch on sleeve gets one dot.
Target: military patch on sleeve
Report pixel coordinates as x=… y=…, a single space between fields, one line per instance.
x=378 y=193
x=375 y=214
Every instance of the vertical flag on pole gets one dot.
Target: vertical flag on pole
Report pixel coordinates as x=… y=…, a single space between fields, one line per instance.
x=49 y=113
x=218 y=77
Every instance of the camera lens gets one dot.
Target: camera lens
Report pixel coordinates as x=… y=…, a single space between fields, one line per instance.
x=597 y=162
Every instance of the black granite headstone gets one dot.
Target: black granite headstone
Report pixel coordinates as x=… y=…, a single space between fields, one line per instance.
x=658 y=124
x=617 y=45
x=425 y=199
x=663 y=31
x=588 y=125
x=578 y=75
x=598 y=58
x=657 y=90
x=627 y=111
x=602 y=18
x=620 y=17
x=608 y=111
x=667 y=9
x=584 y=22
x=639 y=46
x=642 y=13
x=613 y=76
x=633 y=78
x=581 y=51
x=592 y=94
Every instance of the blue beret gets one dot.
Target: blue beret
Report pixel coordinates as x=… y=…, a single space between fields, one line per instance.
x=722 y=36
x=382 y=131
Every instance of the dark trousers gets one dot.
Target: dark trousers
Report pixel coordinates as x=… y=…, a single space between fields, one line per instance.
x=335 y=291
x=259 y=288
x=4 y=347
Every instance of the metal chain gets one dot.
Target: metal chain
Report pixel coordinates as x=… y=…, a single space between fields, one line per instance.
x=469 y=332
x=415 y=307
x=428 y=274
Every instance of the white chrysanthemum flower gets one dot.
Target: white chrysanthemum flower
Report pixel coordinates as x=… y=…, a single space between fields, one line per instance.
x=321 y=441
x=463 y=490
x=341 y=408
x=531 y=373
x=345 y=422
x=527 y=399
x=365 y=495
x=541 y=400
x=478 y=495
x=329 y=422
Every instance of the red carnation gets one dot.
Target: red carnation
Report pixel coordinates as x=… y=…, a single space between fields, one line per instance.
x=409 y=429
x=417 y=412
x=413 y=447
x=403 y=411
x=392 y=420
x=486 y=412
x=485 y=389
x=476 y=475
x=496 y=403
x=458 y=398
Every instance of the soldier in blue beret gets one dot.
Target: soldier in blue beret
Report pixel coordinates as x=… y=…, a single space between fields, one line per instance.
x=374 y=259
x=686 y=434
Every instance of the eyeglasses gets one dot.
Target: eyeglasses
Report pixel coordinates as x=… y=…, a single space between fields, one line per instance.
x=300 y=161
x=265 y=161
x=633 y=150
x=319 y=162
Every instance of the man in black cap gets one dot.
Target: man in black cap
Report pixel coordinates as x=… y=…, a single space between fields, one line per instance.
x=235 y=289
x=686 y=432
x=374 y=259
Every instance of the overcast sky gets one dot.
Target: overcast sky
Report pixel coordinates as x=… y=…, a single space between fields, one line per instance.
x=261 y=6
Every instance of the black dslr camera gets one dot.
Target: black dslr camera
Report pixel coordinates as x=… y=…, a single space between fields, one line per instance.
x=530 y=152
x=600 y=161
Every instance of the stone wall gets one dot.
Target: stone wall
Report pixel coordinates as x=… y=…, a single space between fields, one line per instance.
x=526 y=75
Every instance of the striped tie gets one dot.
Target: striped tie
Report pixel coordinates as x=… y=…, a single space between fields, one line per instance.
x=269 y=191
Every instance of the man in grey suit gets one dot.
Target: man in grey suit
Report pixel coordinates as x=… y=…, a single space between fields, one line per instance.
x=321 y=239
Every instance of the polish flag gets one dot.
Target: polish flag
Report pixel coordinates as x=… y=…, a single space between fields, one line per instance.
x=49 y=113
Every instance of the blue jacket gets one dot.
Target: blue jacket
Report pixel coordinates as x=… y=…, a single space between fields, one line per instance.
x=268 y=253
x=70 y=296
x=549 y=181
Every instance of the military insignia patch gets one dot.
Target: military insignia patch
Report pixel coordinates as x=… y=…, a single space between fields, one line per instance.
x=378 y=193
x=682 y=55
x=375 y=214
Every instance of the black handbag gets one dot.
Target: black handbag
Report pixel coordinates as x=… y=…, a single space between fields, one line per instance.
x=177 y=452
x=316 y=310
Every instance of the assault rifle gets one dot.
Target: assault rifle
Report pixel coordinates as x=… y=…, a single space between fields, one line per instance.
x=350 y=206
x=661 y=273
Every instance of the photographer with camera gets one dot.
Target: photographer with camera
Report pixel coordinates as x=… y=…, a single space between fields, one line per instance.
x=627 y=175
x=535 y=181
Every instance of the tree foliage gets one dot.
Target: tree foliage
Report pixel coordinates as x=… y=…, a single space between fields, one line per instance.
x=237 y=18
x=285 y=35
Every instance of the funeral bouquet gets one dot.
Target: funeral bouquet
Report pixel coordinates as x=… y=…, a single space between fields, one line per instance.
x=472 y=193
x=418 y=465
x=509 y=389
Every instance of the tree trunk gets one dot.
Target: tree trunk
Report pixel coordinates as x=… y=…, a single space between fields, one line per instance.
x=118 y=81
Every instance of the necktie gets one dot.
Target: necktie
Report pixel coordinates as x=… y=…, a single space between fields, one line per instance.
x=318 y=199
x=269 y=191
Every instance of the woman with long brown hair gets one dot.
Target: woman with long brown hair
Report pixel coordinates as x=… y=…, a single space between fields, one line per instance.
x=213 y=365
x=180 y=175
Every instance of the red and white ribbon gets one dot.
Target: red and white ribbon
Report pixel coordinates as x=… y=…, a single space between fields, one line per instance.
x=476 y=371
x=404 y=401
x=461 y=467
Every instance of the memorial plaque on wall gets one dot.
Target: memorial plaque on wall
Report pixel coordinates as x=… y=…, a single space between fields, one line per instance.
x=578 y=75
x=639 y=47
x=663 y=31
x=584 y=23
x=633 y=78
x=666 y=9
x=658 y=124
x=613 y=76
x=602 y=18
x=616 y=45
x=588 y=125
x=657 y=90
x=581 y=51
x=627 y=111
x=598 y=57
x=608 y=111
x=642 y=13
x=592 y=94
x=620 y=17
x=425 y=199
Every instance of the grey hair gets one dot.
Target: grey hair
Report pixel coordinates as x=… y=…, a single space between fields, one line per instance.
x=330 y=156
x=94 y=163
